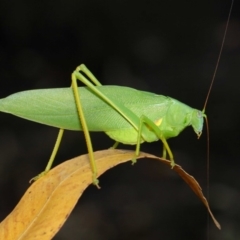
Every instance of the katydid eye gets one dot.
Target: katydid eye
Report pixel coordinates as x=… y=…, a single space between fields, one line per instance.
x=199 y=114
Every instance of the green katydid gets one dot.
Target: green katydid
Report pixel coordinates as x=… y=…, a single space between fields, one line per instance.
x=126 y=115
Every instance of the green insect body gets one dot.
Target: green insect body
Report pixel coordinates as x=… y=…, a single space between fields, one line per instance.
x=46 y=107
x=126 y=115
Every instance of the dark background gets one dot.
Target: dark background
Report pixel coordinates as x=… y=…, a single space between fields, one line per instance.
x=166 y=47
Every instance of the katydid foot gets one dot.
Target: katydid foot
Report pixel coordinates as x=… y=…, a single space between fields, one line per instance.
x=95 y=181
x=34 y=179
x=134 y=160
x=172 y=163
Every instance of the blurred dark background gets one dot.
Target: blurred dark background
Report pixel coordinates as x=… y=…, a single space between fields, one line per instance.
x=166 y=47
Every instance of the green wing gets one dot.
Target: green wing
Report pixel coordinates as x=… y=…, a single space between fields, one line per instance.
x=56 y=107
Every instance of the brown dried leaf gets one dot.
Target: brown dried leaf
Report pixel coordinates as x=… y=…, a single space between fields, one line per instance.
x=48 y=202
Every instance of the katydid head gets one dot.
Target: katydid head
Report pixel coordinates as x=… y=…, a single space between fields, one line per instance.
x=197 y=121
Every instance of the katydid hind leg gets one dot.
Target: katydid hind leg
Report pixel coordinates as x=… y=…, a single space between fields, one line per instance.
x=52 y=157
x=83 y=68
x=85 y=129
x=88 y=73
x=55 y=150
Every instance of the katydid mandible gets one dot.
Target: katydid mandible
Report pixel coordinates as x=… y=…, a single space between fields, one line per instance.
x=126 y=115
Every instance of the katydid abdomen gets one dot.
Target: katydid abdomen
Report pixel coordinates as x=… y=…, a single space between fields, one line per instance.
x=57 y=108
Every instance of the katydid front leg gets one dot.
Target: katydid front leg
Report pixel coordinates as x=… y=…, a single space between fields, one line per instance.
x=144 y=120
